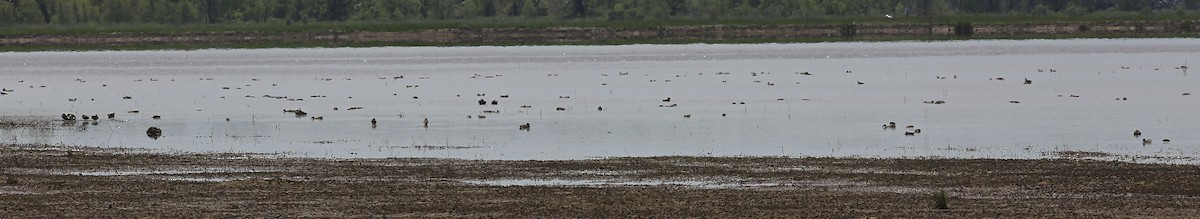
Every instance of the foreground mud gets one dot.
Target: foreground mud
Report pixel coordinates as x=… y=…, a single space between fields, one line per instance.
x=45 y=181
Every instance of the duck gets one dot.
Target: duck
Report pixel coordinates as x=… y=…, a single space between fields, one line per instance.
x=318 y=118
x=889 y=125
x=1137 y=133
x=667 y=100
x=156 y=117
x=482 y=102
x=1147 y=141
x=112 y=115
x=1027 y=81
x=373 y=122
x=524 y=127
x=495 y=102
x=1166 y=140
x=95 y=117
x=600 y=108
x=426 y=123
x=154 y=132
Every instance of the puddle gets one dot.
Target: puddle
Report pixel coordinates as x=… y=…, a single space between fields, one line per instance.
x=160 y=172
x=202 y=179
x=702 y=184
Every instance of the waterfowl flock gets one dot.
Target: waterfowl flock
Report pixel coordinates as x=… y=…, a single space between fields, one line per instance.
x=669 y=102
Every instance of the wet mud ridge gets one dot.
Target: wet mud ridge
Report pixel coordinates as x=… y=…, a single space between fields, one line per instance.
x=603 y=35
x=49 y=181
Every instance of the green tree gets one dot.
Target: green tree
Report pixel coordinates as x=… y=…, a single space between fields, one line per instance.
x=27 y=12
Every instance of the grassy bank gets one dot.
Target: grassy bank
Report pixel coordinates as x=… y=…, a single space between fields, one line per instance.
x=300 y=30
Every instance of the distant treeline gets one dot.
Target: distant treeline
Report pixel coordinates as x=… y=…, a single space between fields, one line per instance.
x=70 y=12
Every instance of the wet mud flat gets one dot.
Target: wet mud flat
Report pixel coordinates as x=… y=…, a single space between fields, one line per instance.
x=52 y=181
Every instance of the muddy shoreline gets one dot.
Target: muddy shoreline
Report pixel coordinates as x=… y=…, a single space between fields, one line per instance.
x=602 y=35
x=48 y=181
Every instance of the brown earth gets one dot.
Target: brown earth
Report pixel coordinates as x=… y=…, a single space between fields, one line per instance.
x=56 y=182
x=588 y=35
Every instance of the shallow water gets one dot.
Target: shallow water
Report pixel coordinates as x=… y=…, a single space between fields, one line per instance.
x=824 y=114
x=695 y=183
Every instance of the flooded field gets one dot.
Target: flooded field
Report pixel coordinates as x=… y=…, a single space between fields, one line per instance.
x=826 y=99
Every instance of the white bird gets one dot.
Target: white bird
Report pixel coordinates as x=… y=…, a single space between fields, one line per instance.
x=888 y=16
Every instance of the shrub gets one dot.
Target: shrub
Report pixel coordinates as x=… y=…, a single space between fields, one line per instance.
x=940 y=201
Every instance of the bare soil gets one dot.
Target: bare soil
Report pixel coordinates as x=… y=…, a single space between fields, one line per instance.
x=56 y=182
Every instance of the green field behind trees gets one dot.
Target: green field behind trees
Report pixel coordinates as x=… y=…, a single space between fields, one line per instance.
x=85 y=16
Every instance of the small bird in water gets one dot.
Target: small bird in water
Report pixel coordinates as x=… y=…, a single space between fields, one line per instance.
x=426 y=123
x=524 y=127
x=373 y=122
x=600 y=108
x=1137 y=133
